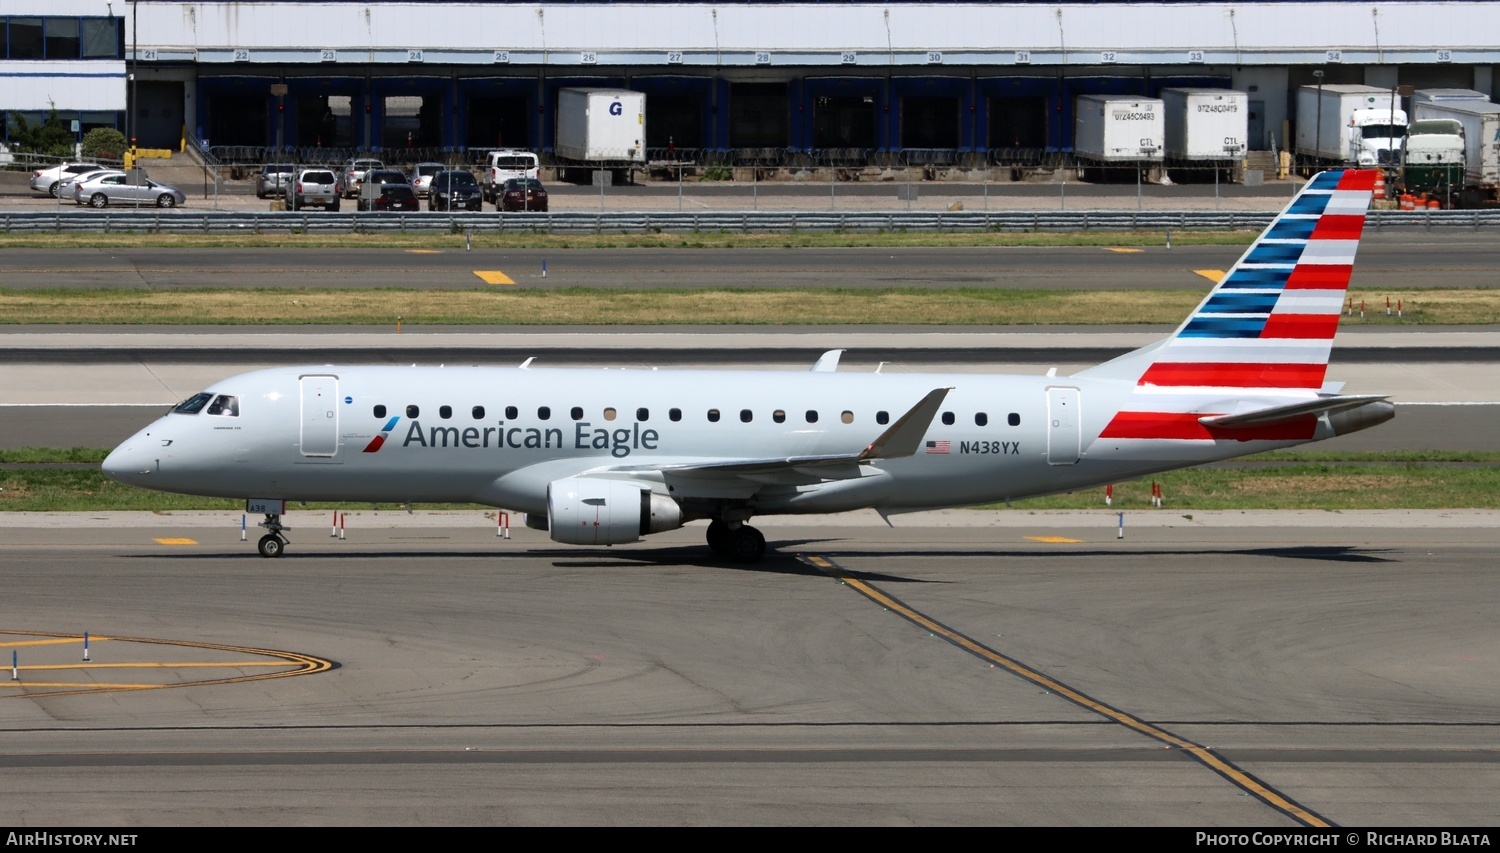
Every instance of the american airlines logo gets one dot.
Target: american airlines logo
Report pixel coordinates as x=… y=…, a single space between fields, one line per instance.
x=619 y=442
x=385 y=432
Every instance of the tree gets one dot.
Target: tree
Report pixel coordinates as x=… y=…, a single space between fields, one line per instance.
x=104 y=143
x=50 y=138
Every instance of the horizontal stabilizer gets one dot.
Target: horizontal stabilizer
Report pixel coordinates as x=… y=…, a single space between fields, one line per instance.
x=1279 y=414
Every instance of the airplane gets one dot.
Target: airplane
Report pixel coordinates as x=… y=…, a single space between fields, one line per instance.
x=609 y=456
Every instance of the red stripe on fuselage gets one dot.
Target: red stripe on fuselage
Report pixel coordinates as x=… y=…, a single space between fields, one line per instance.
x=1308 y=326
x=1233 y=375
x=1184 y=426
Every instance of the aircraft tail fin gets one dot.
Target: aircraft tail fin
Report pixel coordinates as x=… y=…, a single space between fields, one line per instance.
x=1269 y=323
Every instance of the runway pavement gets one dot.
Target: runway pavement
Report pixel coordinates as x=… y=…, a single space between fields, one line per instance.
x=960 y=669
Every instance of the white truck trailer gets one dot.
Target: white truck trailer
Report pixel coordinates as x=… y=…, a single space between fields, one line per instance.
x=1205 y=129
x=1117 y=131
x=1348 y=125
x=603 y=130
x=1481 y=132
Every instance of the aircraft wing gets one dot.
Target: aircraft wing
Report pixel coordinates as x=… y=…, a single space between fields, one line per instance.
x=902 y=438
x=1270 y=415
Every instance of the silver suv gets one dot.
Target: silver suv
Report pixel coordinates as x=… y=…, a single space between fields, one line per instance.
x=273 y=179
x=354 y=174
x=316 y=187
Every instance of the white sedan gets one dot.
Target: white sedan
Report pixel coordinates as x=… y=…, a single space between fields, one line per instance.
x=117 y=188
x=48 y=180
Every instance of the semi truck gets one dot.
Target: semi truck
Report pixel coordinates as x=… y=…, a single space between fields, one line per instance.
x=1480 y=120
x=1348 y=125
x=602 y=131
x=1117 y=131
x=1432 y=158
x=1205 y=129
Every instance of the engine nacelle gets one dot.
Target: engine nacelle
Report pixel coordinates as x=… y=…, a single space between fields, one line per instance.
x=596 y=511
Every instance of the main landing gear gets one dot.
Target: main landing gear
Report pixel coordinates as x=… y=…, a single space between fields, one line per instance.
x=273 y=544
x=736 y=540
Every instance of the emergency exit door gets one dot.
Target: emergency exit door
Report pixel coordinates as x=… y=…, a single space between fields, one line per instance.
x=320 y=415
x=1063 y=426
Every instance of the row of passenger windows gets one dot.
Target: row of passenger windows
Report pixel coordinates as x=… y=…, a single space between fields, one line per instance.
x=643 y=415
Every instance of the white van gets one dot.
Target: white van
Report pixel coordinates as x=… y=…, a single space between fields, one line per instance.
x=502 y=165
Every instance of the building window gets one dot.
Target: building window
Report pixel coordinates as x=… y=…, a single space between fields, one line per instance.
x=26 y=38
x=101 y=39
x=62 y=37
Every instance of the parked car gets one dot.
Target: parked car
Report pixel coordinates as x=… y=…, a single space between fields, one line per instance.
x=273 y=179
x=354 y=174
x=66 y=188
x=49 y=180
x=373 y=180
x=420 y=177
x=390 y=197
x=318 y=187
x=523 y=194
x=119 y=188
x=504 y=164
x=455 y=189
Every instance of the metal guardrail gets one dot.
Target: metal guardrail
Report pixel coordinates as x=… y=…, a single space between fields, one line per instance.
x=179 y=221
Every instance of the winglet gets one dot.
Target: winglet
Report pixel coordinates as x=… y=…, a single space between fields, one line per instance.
x=904 y=436
x=828 y=362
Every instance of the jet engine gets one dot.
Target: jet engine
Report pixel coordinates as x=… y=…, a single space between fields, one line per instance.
x=596 y=511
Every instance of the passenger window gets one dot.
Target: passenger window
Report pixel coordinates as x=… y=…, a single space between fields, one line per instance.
x=543 y=413
x=981 y=419
x=478 y=413
x=713 y=416
x=746 y=416
x=413 y=411
x=512 y=412
x=610 y=413
x=948 y=418
x=674 y=415
x=779 y=416
x=643 y=414
x=380 y=411
x=1014 y=419
x=445 y=412
x=193 y=405
x=882 y=418
x=577 y=413
x=847 y=417
x=812 y=416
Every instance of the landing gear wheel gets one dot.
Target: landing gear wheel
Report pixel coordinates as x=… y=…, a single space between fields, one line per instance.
x=746 y=544
x=718 y=537
x=272 y=545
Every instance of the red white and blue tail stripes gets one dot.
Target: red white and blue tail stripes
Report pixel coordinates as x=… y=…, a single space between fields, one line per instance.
x=1270 y=322
x=1264 y=332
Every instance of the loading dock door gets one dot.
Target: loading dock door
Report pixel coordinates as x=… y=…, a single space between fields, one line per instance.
x=320 y=415
x=1063 y=426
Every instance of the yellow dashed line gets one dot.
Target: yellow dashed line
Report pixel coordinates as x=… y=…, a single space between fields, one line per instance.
x=1057 y=539
x=494 y=277
x=169 y=541
x=1239 y=778
x=1214 y=276
x=1124 y=251
x=424 y=251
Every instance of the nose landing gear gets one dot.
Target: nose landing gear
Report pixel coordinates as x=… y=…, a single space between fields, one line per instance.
x=273 y=544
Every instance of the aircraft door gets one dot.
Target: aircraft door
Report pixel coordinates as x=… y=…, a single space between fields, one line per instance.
x=320 y=415
x=1063 y=426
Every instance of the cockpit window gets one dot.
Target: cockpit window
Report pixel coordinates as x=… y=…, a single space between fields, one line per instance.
x=226 y=405
x=193 y=405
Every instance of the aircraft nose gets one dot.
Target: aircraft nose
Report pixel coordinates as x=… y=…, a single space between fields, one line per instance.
x=126 y=463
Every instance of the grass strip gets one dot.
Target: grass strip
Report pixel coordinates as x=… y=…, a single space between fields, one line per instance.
x=486 y=306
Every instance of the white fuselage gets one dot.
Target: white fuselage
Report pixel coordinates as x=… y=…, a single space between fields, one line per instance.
x=499 y=436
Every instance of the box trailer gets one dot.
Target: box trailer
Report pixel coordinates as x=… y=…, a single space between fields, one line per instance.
x=1117 y=131
x=1348 y=125
x=601 y=129
x=1205 y=128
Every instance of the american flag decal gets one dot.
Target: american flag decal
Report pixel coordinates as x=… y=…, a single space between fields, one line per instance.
x=942 y=447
